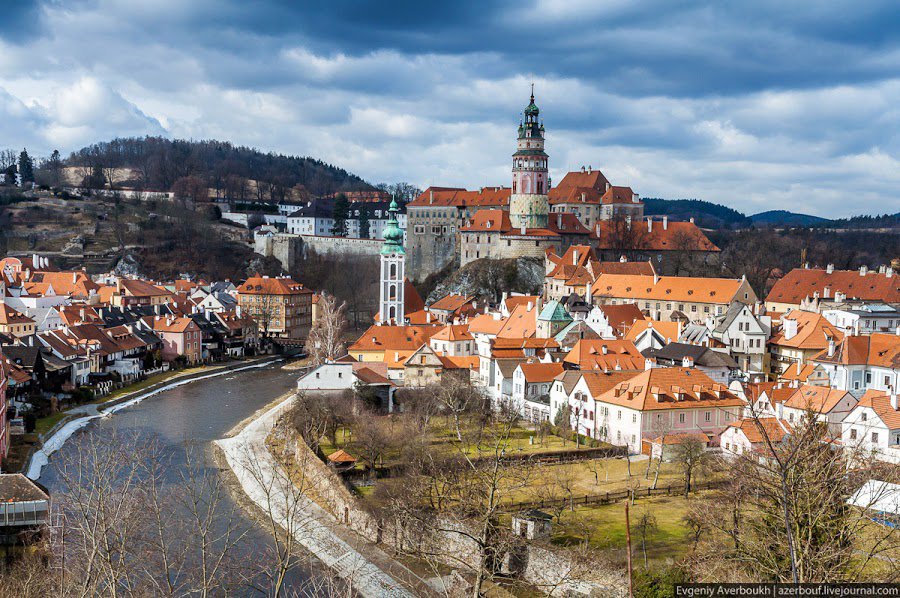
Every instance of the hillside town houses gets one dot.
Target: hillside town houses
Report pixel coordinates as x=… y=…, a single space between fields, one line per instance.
x=66 y=335
x=617 y=352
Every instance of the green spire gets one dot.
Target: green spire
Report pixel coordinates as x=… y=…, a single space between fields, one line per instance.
x=393 y=235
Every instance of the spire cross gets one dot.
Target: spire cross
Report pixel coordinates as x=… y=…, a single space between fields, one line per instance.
x=532 y=91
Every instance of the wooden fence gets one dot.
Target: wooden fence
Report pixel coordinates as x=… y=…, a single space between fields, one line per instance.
x=605 y=498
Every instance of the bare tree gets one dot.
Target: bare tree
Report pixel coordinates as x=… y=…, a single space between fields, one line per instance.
x=646 y=525
x=326 y=338
x=691 y=454
x=790 y=519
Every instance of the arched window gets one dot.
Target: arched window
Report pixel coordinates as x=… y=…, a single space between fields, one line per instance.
x=514 y=186
x=393 y=273
x=540 y=187
x=392 y=313
x=392 y=292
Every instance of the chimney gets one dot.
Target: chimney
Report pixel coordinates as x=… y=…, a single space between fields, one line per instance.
x=431 y=196
x=582 y=168
x=839 y=297
x=687 y=362
x=583 y=195
x=790 y=328
x=889 y=271
x=665 y=223
x=523 y=229
x=607 y=185
x=831 y=347
x=650 y=224
x=826 y=292
x=574 y=257
x=863 y=270
x=559 y=223
x=692 y=220
x=894 y=404
x=589 y=169
x=829 y=269
x=604 y=349
x=529 y=306
x=648 y=364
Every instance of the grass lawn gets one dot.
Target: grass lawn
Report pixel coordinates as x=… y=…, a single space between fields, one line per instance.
x=44 y=424
x=603 y=527
x=579 y=478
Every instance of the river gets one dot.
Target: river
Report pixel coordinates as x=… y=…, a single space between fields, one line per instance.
x=199 y=413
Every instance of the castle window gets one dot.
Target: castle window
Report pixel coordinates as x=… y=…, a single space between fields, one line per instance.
x=393 y=271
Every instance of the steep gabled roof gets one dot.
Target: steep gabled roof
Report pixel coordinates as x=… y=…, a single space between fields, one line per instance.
x=880 y=402
x=754 y=428
x=813 y=331
x=818 y=399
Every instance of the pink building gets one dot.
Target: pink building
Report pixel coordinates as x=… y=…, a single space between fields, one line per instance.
x=179 y=335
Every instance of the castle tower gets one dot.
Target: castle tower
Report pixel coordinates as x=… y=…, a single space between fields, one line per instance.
x=393 y=261
x=528 y=204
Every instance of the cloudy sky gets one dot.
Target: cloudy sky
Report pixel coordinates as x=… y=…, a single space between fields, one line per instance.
x=757 y=105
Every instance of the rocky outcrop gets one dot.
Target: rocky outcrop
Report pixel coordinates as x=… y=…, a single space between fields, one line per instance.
x=489 y=279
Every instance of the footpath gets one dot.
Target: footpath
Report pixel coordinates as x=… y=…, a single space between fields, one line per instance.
x=367 y=570
x=80 y=416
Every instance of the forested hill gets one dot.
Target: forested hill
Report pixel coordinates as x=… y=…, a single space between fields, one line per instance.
x=706 y=214
x=156 y=163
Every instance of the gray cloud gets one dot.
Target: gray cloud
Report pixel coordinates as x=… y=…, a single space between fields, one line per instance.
x=756 y=105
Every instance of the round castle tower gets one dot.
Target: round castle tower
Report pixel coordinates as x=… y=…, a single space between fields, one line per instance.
x=529 y=205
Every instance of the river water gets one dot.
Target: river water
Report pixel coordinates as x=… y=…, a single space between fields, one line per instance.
x=195 y=413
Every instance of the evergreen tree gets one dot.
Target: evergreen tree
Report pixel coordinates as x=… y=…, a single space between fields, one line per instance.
x=363 y=222
x=26 y=167
x=340 y=214
x=54 y=166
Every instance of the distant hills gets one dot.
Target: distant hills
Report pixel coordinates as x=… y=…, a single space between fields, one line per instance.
x=785 y=218
x=156 y=163
x=711 y=215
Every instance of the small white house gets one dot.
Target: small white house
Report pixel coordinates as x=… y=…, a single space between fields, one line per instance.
x=872 y=429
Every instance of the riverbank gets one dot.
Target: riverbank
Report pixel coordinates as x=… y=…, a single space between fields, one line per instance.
x=261 y=479
x=78 y=417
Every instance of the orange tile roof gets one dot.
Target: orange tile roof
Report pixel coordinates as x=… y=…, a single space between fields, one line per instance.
x=677 y=236
x=264 y=285
x=801 y=283
x=621 y=317
x=880 y=402
x=600 y=354
x=142 y=288
x=536 y=373
x=599 y=382
x=813 y=331
x=488 y=221
x=878 y=349
x=457 y=332
x=486 y=324
x=515 y=300
x=753 y=429
x=393 y=338
x=76 y=283
x=451 y=303
x=818 y=399
x=801 y=375
x=170 y=324
x=667 y=288
x=521 y=323
x=460 y=362
x=11 y=316
x=593 y=180
x=619 y=195
x=670 y=388
x=457 y=197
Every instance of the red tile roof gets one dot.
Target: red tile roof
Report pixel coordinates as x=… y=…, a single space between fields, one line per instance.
x=457 y=197
x=801 y=283
x=676 y=236
x=671 y=388
x=264 y=285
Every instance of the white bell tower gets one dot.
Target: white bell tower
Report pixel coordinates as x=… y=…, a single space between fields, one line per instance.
x=393 y=272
